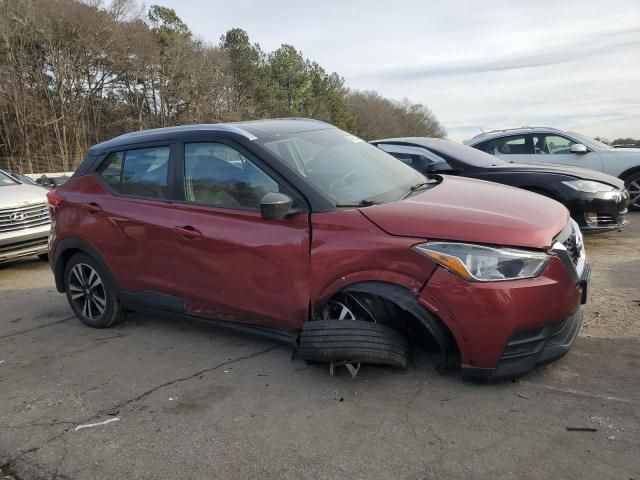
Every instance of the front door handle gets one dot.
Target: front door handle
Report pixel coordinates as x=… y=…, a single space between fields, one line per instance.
x=188 y=232
x=92 y=207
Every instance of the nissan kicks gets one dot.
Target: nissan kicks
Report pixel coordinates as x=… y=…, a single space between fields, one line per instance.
x=299 y=231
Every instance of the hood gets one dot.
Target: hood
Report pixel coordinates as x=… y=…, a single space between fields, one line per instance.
x=576 y=172
x=468 y=210
x=21 y=194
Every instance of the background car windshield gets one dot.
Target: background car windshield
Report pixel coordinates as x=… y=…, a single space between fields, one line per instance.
x=343 y=167
x=463 y=153
x=6 y=180
x=591 y=141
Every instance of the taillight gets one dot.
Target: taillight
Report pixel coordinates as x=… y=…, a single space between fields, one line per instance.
x=54 y=198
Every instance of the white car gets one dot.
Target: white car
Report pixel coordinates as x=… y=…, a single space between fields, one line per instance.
x=24 y=219
x=550 y=145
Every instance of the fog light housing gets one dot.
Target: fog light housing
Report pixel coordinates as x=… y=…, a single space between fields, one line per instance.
x=591 y=218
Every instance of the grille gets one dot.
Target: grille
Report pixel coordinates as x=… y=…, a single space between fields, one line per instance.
x=27 y=216
x=571 y=245
x=24 y=245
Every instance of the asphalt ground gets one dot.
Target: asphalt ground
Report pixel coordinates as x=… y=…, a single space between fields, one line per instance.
x=186 y=400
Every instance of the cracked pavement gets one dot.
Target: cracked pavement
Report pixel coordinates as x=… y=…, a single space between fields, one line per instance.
x=198 y=402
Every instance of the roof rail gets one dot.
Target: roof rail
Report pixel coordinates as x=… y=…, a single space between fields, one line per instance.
x=224 y=127
x=524 y=127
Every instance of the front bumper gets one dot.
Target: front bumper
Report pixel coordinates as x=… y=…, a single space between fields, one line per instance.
x=504 y=329
x=529 y=349
x=600 y=211
x=22 y=243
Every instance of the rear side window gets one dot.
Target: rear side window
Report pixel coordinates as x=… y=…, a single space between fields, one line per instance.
x=514 y=145
x=139 y=173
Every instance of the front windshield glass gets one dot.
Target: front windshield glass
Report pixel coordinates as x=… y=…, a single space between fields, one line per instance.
x=6 y=180
x=463 y=153
x=343 y=167
x=591 y=141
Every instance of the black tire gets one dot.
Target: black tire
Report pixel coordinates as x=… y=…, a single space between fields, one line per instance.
x=355 y=341
x=44 y=257
x=104 y=307
x=632 y=183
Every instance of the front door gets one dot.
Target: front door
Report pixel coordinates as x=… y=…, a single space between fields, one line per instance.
x=233 y=265
x=553 y=148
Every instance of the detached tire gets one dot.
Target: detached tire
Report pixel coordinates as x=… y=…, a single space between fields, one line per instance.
x=91 y=295
x=355 y=341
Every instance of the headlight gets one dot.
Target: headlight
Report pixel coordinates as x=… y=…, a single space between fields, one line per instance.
x=589 y=186
x=478 y=263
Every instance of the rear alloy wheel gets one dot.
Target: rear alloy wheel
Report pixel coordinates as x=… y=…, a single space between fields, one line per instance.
x=632 y=183
x=90 y=294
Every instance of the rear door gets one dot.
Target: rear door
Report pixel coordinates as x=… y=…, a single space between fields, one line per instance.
x=512 y=148
x=232 y=264
x=554 y=148
x=131 y=225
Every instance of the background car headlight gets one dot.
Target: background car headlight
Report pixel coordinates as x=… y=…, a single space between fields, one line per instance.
x=479 y=263
x=589 y=186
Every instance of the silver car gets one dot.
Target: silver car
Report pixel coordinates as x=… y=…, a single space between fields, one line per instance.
x=24 y=219
x=550 y=145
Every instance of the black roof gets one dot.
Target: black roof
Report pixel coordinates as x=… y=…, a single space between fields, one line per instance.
x=251 y=130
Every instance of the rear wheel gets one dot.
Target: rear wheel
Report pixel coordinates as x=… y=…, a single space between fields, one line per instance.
x=632 y=183
x=91 y=295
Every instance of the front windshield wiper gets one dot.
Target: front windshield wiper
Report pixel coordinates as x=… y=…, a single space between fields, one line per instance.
x=420 y=186
x=361 y=203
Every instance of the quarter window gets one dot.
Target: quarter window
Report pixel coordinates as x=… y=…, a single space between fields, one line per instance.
x=416 y=157
x=513 y=145
x=218 y=175
x=139 y=173
x=111 y=170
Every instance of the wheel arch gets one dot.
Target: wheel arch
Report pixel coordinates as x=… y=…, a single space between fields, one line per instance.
x=628 y=172
x=405 y=299
x=67 y=248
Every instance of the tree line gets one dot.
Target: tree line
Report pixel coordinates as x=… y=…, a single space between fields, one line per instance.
x=76 y=73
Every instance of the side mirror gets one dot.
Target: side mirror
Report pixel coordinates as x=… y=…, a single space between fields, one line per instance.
x=275 y=205
x=578 y=148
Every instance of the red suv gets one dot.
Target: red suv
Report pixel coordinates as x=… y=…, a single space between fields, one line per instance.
x=295 y=229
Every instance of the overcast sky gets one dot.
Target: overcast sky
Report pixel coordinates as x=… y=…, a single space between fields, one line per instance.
x=572 y=64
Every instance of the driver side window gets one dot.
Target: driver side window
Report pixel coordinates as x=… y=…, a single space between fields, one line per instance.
x=218 y=175
x=551 y=144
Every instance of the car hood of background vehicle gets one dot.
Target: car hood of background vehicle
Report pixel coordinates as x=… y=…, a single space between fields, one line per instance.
x=20 y=194
x=468 y=210
x=577 y=172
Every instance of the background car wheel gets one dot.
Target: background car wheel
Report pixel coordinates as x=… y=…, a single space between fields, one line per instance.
x=44 y=257
x=632 y=183
x=90 y=293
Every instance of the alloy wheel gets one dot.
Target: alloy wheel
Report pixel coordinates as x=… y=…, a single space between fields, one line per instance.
x=87 y=291
x=633 y=188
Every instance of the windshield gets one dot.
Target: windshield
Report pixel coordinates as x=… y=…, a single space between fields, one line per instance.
x=6 y=180
x=463 y=153
x=590 y=141
x=343 y=167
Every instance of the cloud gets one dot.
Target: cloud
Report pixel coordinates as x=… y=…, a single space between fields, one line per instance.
x=600 y=44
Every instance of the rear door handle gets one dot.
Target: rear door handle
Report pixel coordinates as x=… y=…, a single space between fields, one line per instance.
x=92 y=207
x=188 y=232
